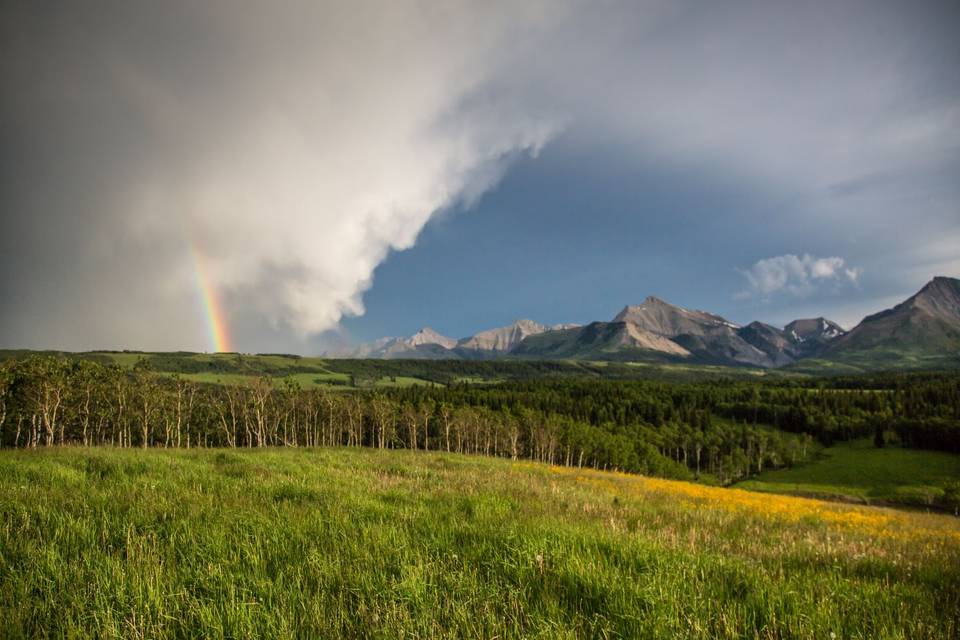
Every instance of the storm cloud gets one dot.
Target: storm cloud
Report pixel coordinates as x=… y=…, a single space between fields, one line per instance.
x=295 y=146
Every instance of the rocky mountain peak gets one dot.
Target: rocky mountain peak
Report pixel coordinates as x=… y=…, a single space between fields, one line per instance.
x=502 y=339
x=940 y=296
x=927 y=323
x=427 y=335
x=527 y=325
x=818 y=329
x=661 y=317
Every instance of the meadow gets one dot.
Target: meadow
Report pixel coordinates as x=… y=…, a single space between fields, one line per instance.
x=347 y=374
x=359 y=542
x=859 y=471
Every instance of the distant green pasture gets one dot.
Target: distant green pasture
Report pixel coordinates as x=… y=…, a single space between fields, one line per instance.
x=861 y=472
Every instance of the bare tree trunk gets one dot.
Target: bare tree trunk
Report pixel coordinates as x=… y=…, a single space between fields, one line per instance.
x=85 y=420
x=426 y=428
x=446 y=430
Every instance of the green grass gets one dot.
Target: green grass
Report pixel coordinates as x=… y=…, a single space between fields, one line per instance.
x=401 y=381
x=364 y=543
x=329 y=381
x=820 y=367
x=228 y=368
x=876 y=359
x=478 y=380
x=859 y=471
x=702 y=368
x=213 y=363
x=305 y=380
x=233 y=368
x=124 y=359
x=324 y=380
x=214 y=377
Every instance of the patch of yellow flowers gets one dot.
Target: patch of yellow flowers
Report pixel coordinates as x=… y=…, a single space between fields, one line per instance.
x=872 y=521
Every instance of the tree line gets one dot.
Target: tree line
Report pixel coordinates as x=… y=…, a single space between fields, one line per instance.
x=727 y=429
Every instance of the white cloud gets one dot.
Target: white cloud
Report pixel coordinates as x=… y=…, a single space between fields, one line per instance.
x=293 y=148
x=795 y=275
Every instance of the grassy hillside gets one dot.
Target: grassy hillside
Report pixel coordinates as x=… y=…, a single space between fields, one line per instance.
x=338 y=374
x=365 y=543
x=876 y=359
x=859 y=471
x=235 y=368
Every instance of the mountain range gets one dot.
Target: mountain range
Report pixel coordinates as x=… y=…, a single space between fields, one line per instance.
x=922 y=330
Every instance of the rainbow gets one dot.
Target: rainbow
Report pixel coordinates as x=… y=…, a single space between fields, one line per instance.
x=216 y=320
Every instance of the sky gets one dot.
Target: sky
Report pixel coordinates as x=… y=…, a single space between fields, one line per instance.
x=297 y=177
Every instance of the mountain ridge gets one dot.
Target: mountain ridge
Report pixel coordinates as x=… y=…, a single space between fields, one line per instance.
x=927 y=323
x=926 y=326
x=502 y=339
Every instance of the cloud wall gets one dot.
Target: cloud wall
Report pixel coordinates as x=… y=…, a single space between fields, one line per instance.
x=291 y=147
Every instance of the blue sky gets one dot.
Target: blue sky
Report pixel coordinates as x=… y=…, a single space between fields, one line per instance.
x=570 y=236
x=592 y=224
x=344 y=172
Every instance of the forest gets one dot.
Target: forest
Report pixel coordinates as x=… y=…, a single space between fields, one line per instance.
x=721 y=430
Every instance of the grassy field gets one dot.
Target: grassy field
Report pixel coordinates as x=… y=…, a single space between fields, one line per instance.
x=227 y=368
x=364 y=543
x=329 y=381
x=877 y=359
x=861 y=472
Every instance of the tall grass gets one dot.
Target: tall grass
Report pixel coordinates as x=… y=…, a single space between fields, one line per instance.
x=364 y=543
